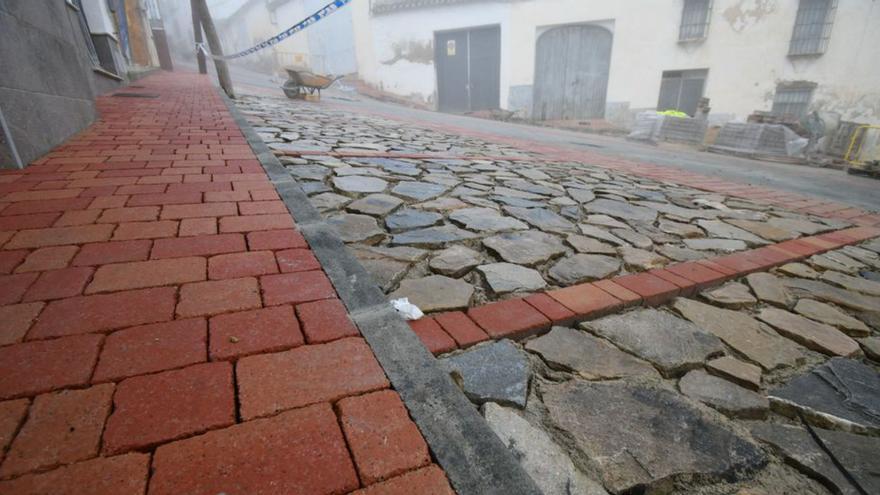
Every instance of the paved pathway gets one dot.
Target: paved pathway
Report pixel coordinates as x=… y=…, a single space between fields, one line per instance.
x=165 y=328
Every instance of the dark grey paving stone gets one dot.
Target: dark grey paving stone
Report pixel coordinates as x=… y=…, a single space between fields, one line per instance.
x=723 y=395
x=840 y=394
x=641 y=438
x=497 y=372
x=590 y=357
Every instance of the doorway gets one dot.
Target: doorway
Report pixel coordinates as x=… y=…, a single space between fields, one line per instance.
x=468 y=65
x=571 y=73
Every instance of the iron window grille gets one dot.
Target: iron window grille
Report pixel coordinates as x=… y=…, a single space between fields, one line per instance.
x=792 y=101
x=812 y=27
x=694 y=20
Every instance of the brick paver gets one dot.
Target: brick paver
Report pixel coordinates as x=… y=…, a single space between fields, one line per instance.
x=156 y=299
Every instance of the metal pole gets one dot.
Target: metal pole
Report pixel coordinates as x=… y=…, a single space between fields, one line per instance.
x=216 y=48
x=197 y=36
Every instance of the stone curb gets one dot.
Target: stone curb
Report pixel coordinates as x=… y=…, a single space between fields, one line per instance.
x=474 y=458
x=535 y=314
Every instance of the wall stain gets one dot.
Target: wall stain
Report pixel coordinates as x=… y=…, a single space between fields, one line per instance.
x=417 y=52
x=747 y=13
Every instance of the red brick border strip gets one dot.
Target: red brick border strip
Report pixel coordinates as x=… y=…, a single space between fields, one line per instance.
x=534 y=314
x=413 y=156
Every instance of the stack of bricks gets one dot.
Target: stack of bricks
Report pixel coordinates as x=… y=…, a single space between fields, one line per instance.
x=164 y=327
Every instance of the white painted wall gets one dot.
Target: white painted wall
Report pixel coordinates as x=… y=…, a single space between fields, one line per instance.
x=745 y=50
x=99 y=17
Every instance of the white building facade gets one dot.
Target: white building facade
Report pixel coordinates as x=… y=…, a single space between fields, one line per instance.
x=587 y=59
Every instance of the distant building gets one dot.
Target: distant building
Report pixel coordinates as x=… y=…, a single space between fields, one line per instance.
x=594 y=59
x=57 y=57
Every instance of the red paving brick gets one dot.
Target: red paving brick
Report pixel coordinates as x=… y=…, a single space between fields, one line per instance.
x=461 y=328
x=206 y=245
x=153 y=409
x=218 y=296
x=249 y=264
x=381 y=436
x=16 y=319
x=112 y=252
x=102 y=312
x=12 y=414
x=56 y=284
x=428 y=480
x=251 y=223
x=432 y=335
x=9 y=260
x=511 y=318
x=59 y=236
x=31 y=368
x=548 y=307
x=325 y=321
x=586 y=299
x=296 y=288
x=142 y=274
x=301 y=451
x=250 y=332
x=651 y=288
x=61 y=427
x=151 y=348
x=297 y=260
x=118 y=475
x=145 y=230
x=325 y=372
x=50 y=258
x=276 y=239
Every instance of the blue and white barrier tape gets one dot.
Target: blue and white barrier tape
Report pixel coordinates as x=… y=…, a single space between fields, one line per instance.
x=308 y=21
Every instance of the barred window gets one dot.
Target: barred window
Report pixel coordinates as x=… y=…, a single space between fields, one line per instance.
x=812 y=27
x=792 y=100
x=694 y=20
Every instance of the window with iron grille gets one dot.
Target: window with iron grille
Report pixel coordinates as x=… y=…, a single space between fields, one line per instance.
x=681 y=90
x=812 y=27
x=792 y=100
x=694 y=20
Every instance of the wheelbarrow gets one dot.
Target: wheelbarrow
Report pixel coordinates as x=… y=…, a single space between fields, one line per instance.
x=303 y=84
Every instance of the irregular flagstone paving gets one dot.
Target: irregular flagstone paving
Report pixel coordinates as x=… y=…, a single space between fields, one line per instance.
x=662 y=400
x=560 y=219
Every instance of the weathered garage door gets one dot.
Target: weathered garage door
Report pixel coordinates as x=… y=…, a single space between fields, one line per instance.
x=571 y=73
x=468 y=69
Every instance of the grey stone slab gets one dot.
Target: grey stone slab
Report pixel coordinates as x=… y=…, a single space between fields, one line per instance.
x=419 y=191
x=583 y=244
x=679 y=229
x=356 y=228
x=329 y=201
x=601 y=234
x=841 y=394
x=385 y=271
x=797 y=225
x=871 y=346
x=726 y=245
x=799 y=270
x=672 y=344
x=359 y=184
x=678 y=211
x=743 y=333
x=723 y=395
x=625 y=211
x=605 y=221
x=544 y=460
x=583 y=267
x=836 y=261
x=643 y=438
x=309 y=172
x=769 y=289
x=442 y=204
x=739 y=372
x=730 y=295
x=455 y=261
x=797 y=446
x=640 y=259
x=830 y=315
x=821 y=290
x=679 y=253
x=857 y=454
x=541 y=218
x=435 y=293
x=590 y=357
x=504 y=278
x=525 y=248
x=375 y=204
x=496 y=372
x=581 y=195
x=431 y=237
x=764 y=230
x=311 y=187
x=720 y=229
x=637 y=239
x=408 y=219
x=857 y=284
x=485 y=220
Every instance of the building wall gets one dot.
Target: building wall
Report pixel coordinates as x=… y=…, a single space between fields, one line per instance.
x=745 y=52
x=47 y=85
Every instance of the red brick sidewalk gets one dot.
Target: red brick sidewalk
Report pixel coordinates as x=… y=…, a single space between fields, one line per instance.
x=165 y=329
